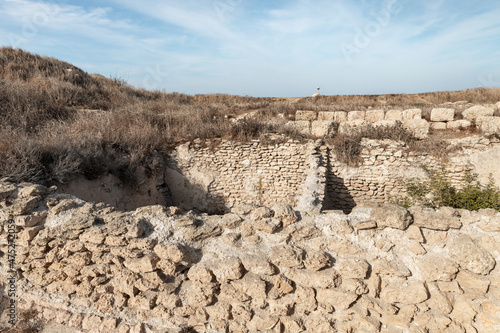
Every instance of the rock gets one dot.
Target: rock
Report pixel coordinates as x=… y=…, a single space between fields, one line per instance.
x=477 y=111
x=228 y=269
x=142 y=265
x=242 y=209
x=437 y=268
x=374 y=115
x=353 y=268
x=412 y=114
x=287 y=256
x=355 y=115
x=326 y=115
x=469 y=281
x=323 y=128
x=336 y=299
x=430 y=219
x=285 y=214
x=413 y=232
x=317 y=260
x=6 y=190
x=393 y=268
x=405 y=292
x=261 y=213
x=258 y=264
x=230 y=221
x=388 y=123
x=173 y=252
x=23 y=206
x=394 y=115
x=391 y=216
x=305 y=115
x=442 y=114
x=438 y=125
x=489 y=125
x=267 y=225
x=281 y=286
x=469 y=255
x=200 y=273
x=348 y=127
x=326 y=278
x=418 y=127
x=300 y=126
x=458 y=124
x=209 y=229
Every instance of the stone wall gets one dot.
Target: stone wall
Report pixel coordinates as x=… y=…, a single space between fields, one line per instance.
x=310 y=176
x=88 y=268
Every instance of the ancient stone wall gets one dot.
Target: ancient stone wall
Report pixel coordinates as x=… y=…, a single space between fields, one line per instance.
x=379 y=269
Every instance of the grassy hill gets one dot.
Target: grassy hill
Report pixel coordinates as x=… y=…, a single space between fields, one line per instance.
x=58 y=121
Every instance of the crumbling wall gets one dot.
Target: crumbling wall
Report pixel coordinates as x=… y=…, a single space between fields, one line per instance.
x=378 y=269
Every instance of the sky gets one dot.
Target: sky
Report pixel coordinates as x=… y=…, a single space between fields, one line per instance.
x=276 y=48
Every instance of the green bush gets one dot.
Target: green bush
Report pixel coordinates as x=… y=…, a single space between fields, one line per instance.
x=438 y=191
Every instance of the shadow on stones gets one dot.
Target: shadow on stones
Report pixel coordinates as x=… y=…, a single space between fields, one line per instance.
x=337 y=196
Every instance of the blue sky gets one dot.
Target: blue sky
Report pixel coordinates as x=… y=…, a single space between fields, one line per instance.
x=267 y=48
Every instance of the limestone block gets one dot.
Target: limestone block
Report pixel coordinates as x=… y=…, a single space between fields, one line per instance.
x=323 y=128
x=142 y=265
x=326 y=115
x=353 y=268
x=252 y=285
x=326 y=278
x=228 y=269
x=469 y=255
x=374 y=115
x=200 y=273
x=268 y=225
x=419 y=127
x=413 y=232
x=348 y=127
x=442 y=114
x=498 y=106
x=317 y=260
x=394 y=115
x=478 y=111
x=387 y=123
x=281 y=286
x=391 y=216
x=257 y=264
x=305 y=115
x=438 y=125
x=437 y=268
x=355 y=115
x=405 y=292
x=337 y=299
x=469 y=281
x=489 y=125
x=287 y=256
x=301 y=126
x=463 y=312
x=412 y=114
x=458 y=124
x=392 y=268
x=284 y=213
x=339 y=116
x=431 y=219
x=261 y=213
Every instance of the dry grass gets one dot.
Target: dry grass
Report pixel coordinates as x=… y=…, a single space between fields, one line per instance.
x=58 y=121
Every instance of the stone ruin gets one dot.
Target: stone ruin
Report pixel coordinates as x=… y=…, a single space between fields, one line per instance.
x=85 y=267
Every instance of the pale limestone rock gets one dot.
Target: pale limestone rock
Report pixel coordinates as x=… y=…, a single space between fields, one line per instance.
x=353 y=268
x=340 y=116
x=323 y=128
x=458 y=124
x=405 y=292
x=394 y=115
x=261 y=213
x=209 y=229
x=437 y=268
x=142 y=265
x=393 y=268
x=281 y=286
x=317 y=260
x=478 y=111
x=252 y=285
x=438 y=300
x=418 y=127
x=267 y=225
x=355 y=115
x=469 y=281
x=305 y=300
x=145 y=300
x=463 y=312
x=387 y=123
x=305 y=115
x=412 y=114
x=489 y=125
x=30 y=220
x=242 y=209
x=197 y=294
x=355 y=286
x=228 y=269
x=438 y=125
x=219 y=311
x=327 y=278
x=230 y=221
x=348 y=127
x=470 y=255
x=435 y=220
x=257 y=264
x=413 y=232
x=336 y=299
x=326 y=115
x=284 y=213
x=374 y=115
x=391 y=216
x=200 y=273
x=287 y=256
x=442 y=114
x=6 y=190
x=301 y=126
